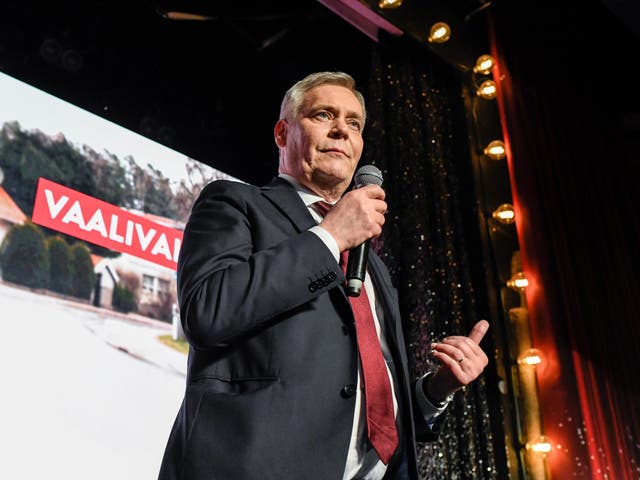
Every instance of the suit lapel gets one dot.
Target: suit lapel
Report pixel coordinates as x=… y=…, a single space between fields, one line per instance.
x=286 y=199
x=383 y=296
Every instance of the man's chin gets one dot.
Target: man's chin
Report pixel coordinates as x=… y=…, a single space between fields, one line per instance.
x=332 y=178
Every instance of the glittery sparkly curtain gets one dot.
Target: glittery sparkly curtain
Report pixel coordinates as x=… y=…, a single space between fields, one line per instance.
x=417 y=138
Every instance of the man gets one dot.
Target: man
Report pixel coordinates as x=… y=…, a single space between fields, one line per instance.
x=275 y=384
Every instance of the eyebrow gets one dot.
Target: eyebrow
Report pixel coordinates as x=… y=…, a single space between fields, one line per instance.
x=332 y=108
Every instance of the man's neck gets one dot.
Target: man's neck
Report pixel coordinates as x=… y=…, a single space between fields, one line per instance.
x=329 y=194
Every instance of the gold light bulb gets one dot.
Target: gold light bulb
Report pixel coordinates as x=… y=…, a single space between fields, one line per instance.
x=484 y=64
x=440 y=32
x=540 y=445
x=487 y=90
x=389 y=4
x=495 y=150
x=505 y=214
x=518 y=282
x=532 y=356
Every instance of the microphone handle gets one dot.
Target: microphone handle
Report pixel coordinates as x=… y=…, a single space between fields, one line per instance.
x=356 y=268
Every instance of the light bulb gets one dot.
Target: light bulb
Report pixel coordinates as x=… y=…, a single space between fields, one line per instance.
x=532 y=356
x=518 y=282
x=495 y=150
x=484 y=64
x=389 y=4
x=540 y=445
x=504 y=214
x=439 y=33
x=487 y=90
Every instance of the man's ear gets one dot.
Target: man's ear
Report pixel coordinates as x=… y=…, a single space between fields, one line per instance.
x=280 y=132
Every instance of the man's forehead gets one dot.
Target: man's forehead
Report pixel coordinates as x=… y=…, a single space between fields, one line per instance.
x=335 y=96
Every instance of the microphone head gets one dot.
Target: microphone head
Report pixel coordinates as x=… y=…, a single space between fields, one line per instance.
x=367 y=175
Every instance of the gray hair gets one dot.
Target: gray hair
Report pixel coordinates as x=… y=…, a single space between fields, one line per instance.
x=293 y=98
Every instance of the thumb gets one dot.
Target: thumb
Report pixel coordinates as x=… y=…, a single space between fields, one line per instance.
x=478 y=331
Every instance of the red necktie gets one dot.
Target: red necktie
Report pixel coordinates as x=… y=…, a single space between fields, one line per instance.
x=378 y=398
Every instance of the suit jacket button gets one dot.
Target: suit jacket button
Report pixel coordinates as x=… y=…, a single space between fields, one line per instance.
x=331 y=276
x=313 y=287
x=348 y=391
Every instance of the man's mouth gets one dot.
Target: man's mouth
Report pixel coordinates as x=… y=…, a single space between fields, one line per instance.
x=334 y=150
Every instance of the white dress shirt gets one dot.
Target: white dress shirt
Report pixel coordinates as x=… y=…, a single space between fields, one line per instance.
x=355 y=455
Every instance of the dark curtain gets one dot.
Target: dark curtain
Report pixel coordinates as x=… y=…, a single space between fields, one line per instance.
x=566 y=91
x=417 y=137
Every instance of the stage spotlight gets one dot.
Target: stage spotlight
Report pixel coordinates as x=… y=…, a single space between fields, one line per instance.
x=72 y=61
x=51 y=50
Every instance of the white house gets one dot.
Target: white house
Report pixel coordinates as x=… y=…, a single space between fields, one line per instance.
x=106 y=280
x=157 y=284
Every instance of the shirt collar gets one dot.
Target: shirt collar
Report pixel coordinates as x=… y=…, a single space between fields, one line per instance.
x=307 y=196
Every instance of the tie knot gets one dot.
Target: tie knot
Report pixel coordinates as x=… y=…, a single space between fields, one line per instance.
x=322 y=207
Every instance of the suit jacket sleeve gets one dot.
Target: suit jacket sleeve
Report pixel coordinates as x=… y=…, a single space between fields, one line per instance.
x=242 y=265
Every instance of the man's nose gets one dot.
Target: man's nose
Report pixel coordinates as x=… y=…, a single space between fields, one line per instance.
x=339 y=129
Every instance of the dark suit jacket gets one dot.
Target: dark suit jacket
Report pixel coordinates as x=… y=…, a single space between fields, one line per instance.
x=272 y=364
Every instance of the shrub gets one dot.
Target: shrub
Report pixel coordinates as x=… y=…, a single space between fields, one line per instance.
x=24 y=258
x=60 y=265
x=131 y=282
x=82 y=267
x=165 y=311
x=123 y=300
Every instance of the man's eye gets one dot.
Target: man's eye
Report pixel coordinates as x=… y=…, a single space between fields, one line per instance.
x=355 y=126
x=323 y=115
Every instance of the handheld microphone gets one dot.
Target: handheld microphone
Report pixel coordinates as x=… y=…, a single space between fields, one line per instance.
x=357 y=263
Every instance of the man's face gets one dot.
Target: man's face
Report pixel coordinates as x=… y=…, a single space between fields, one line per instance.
x=322 y=145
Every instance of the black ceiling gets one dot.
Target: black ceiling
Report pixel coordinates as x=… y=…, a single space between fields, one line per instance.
x=209 y=89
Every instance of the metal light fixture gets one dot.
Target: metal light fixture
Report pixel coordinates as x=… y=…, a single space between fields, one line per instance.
x=440 y=32
x=183 y=16
x=495 y=150
x=505 y=214
x=487 y=90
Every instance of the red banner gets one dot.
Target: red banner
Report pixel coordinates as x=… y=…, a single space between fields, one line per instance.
x=73 y=213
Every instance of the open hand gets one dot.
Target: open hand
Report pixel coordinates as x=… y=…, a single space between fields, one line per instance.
x=461 y=362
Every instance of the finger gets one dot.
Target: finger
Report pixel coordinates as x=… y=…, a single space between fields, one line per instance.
x=453 y=364
x=464 y=344
x=469 y=365
x=373 y=191
x=478 y=331
x=456 y=351
x=381 y=206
